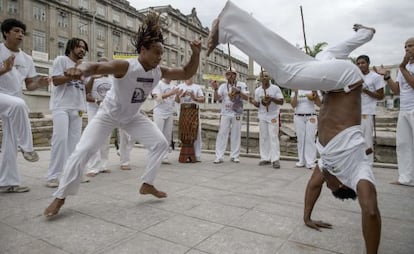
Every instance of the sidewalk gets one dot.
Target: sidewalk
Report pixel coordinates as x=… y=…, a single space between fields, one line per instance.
x=225 y=208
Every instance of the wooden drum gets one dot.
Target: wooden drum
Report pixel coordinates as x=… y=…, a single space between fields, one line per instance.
x=187 y=129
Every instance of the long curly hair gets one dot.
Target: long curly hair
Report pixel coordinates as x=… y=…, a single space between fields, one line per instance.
x=149 y=32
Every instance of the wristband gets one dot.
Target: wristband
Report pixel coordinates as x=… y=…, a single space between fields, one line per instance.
x=386 y=78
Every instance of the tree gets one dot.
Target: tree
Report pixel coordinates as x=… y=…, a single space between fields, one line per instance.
x=316 y=48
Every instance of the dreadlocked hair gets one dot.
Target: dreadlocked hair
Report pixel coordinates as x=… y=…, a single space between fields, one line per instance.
x=73 y=43
x=149 y=32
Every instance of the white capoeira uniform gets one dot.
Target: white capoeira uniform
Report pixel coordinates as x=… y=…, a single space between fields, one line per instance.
x=121 y=108
x=67 y=103
x=405 y=130
x=344 y=157
x=289 y=66
x=126 y=144
x=14 y=114
x=306 y=124
x=164 y=110
x=230 y=121
x=269 y=123
x=294 y=69
x=198 y=92
x=100 y=87
x=372 y=82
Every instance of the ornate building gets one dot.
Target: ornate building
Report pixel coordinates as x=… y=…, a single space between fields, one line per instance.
x=108 y=26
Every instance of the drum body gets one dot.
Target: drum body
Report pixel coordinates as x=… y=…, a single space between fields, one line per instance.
x=187 y=129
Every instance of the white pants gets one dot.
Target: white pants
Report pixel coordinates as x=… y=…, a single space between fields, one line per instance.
x=16 y=132
x=269 y=140
x=98 y=162
x=125 y=147
x=367 y=126
x=306 y=127
x=228 y=124
x=165 y=124
x=140 y=128
x=67 y=129
x=405 y=147
x=289 y=66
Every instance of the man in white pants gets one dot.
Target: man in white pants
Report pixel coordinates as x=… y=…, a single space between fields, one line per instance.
x=230 y=94
x=96 y=89
x=16 y=69
x=404 y=86
x=372 y=91
x=188 y=92
x=67 y=103
x=306 y=122
x=134 y=79
x=164 y=109
x=343 y=165
x=268 y=98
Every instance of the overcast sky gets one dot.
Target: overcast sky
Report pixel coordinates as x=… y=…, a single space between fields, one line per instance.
x=325 y=21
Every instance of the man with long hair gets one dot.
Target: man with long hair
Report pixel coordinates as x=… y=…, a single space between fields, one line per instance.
x=134 y=79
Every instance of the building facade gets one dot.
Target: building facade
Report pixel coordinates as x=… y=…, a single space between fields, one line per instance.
x=108 y=27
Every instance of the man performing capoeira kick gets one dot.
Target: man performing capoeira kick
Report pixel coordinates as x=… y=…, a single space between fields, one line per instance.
x=134 y=80
x=344 y=165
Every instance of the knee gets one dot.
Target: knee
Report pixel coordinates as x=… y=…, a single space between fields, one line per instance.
x=162 y=143
x=19 y=106
x=370 y=209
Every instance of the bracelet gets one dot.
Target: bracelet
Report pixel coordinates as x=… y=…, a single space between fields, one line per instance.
x=386 y=78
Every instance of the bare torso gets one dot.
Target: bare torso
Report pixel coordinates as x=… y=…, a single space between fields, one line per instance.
x=339 y=111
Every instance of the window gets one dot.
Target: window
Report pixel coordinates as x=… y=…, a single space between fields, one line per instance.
x=61 y=46
x=174 y=40
x=83 y=27
x=182 y=30
x=39 y=41
x=39 y=13
x=100 y=9
x=1 y=5
x=129 y=23
x=100 y=32
x=116 y=17
x=12 y=7
x=62 y=19
x=116 y=40
x=84 y=4
x=130 y=47
x=173 y=26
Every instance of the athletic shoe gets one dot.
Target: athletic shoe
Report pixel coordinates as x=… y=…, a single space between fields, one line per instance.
x=276 y=164
x=218 y=161
x=52 y=183
x=14 y=189
x=235 y=160
x=263 y=163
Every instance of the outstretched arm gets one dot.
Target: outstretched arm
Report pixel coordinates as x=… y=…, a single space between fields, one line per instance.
x=118 y=68
x=313 y=190
x=189 y=69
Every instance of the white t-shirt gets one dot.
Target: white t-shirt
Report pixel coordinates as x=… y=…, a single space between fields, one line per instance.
x=11 y=82
x=406 y=91
x=99 y=89
x=128 y=93
x=304 y=106
x=372 y=81
x=273 y=109
x=228 y=106
x=196 y=89
x=164 y=107
x=70 y=95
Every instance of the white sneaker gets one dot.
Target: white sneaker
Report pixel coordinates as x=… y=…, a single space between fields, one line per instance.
x=299 y=165
x=52 y=183
x=165 y=161
x=218 y=161
x=235 y=160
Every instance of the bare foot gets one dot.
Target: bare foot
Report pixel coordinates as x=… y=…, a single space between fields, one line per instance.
x=212 y=40
x=150 y=189
x=91 y=174
x=54 y=207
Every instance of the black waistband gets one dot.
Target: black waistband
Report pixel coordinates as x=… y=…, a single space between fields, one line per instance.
x=305 y=114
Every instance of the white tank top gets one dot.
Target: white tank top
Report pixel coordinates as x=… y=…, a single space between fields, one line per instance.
x=128 y=93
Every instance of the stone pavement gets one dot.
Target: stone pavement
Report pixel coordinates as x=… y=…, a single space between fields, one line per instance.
x=225 y=208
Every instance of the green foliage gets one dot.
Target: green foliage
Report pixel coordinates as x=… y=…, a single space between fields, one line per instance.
x=316 y=48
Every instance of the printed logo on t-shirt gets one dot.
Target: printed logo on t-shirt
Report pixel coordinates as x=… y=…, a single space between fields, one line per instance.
x=76 y=83
x=103 y=88
x=138 y=96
